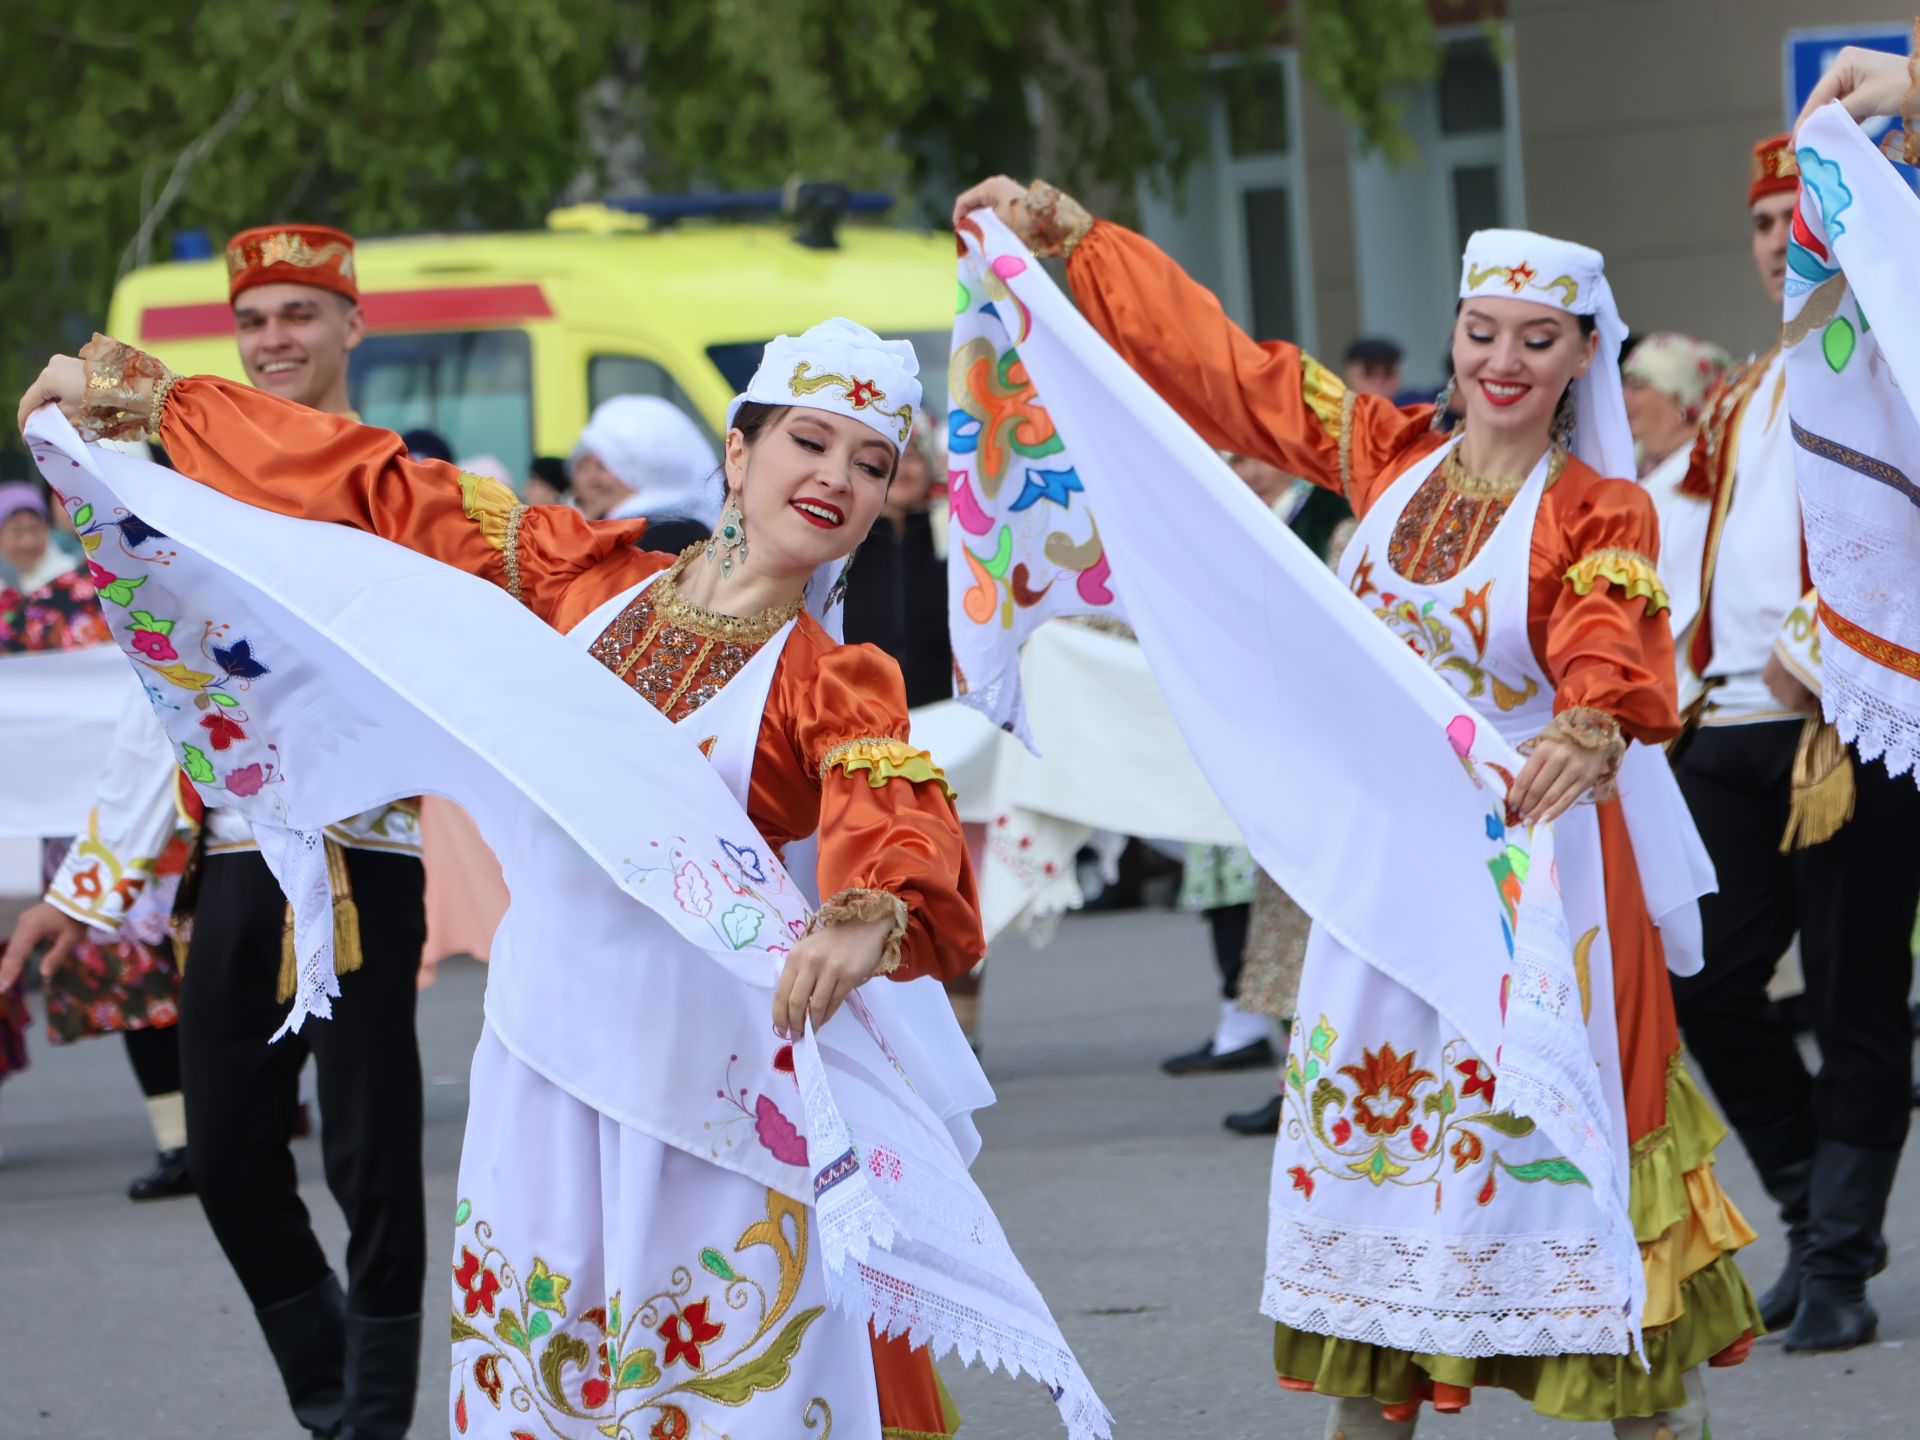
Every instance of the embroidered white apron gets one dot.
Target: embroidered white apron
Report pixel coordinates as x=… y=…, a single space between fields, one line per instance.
x=1408 y=1207
x=605 y=1274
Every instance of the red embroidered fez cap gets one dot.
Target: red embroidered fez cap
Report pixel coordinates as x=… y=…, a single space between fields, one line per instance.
x=316 y=255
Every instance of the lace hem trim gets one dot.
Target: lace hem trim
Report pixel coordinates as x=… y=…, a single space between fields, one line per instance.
x=1433 y=1295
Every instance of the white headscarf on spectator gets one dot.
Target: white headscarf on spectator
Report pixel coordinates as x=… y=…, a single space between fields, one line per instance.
x=653 y=448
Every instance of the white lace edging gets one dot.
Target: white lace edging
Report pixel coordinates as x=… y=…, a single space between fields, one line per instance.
x=1875 y=726
x=298 y=860
x=935 y=1265
x=1429 y=1294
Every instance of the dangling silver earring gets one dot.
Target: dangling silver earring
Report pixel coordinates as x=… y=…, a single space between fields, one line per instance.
x=1442 y=403
x=837 y=594
x=728 y=543
x=1563 y=420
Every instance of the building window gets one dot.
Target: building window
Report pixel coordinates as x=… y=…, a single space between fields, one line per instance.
x=1412 y=221
x=1259 y=190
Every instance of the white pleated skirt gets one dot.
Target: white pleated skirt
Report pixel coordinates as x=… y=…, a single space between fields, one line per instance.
x=605 y=1284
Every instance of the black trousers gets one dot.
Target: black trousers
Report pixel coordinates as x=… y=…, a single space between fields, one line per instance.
x=241 y=1092
x=155 y=1057
x=1851 y=899
x=1229 y=924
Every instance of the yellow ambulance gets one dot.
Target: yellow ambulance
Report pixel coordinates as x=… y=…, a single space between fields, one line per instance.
x=503 y=342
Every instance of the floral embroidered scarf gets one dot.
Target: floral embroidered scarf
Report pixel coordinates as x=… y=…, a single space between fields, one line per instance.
x=1853 y=367
x=1363 y=784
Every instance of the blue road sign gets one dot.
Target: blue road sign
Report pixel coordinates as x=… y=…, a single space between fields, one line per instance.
x=1808 y=53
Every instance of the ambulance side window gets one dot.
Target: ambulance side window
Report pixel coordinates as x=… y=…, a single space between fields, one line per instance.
x=611 y=375
x=475 y=387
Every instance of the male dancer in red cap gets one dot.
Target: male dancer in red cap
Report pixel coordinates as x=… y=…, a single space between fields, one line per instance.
x=1804 y=839
x=349 y=1358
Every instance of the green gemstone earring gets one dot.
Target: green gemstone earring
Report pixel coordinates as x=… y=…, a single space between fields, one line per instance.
x=728 y=543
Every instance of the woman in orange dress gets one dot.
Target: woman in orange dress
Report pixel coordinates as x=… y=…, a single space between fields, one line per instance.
x=1550 y=620
x=598 y=1284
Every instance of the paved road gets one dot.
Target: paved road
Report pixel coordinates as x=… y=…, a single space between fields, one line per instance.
x=1142 y=1220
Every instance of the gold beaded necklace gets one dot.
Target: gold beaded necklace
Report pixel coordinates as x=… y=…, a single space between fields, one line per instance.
x=1473 y=485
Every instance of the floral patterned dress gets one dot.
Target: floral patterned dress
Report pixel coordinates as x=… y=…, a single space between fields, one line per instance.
x=114 y=982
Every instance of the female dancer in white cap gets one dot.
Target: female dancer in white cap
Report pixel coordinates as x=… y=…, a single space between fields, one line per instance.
x=1500 y=551
x=636 y=1243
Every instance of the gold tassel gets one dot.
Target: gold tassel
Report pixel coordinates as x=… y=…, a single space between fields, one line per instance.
x=1822 y=787
x=347 y=954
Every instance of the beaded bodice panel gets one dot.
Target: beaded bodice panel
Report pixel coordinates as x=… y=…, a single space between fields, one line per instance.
x=1440 y=531
x=677 y=655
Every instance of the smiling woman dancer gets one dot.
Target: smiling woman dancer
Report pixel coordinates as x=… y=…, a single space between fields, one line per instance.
x=1505 y=556
x=598 y=1284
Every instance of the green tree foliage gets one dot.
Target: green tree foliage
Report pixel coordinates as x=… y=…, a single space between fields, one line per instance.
x=125 y=120
x=1100 y=91
x=1358 y=54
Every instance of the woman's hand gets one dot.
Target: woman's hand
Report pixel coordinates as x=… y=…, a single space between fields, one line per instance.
x=1003 y=197
x=824 y=968
x=1867 y=82
x=1556 y=774
x=64 y=382
x=40 y=924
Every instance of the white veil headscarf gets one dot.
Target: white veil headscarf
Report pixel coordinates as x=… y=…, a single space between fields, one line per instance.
x=845 y=369
x=1522 y=265
x=656 y=450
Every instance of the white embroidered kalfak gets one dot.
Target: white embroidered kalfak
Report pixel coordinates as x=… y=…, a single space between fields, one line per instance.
x=1856 y=429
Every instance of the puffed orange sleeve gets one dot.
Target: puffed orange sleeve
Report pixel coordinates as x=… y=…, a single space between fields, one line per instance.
x=837 y=743
x=1266 y=399
x=1599 y=611
x=287 y=458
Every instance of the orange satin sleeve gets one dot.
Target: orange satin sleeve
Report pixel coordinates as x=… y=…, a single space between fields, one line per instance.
x=1266 y=399
x=902 y=836
x=287 y=458
x=1602 y=649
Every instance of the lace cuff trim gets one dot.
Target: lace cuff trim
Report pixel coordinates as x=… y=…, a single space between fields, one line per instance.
x=1056 y=222
x=1904 y=145
x=1590 y=729
x=863 y=906
x=884 y=759
x=1629 y=572
x=127 y=392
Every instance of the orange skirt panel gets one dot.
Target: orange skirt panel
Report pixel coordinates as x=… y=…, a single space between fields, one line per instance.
x=914 y=1405
x=1642 y=997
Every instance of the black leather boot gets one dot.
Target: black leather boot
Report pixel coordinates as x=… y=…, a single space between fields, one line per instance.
x=1850 y=1190
x=308 y=1338
x=1783 y=1154
x=383 y=1377
x=168 y=1177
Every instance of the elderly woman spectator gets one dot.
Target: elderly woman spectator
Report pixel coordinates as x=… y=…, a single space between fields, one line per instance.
x=641 y=456
x=28 y=557
x=1667 y=378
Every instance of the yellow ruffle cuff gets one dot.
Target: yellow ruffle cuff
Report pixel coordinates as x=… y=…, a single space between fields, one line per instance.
x=885 y=759
x=1629 y=572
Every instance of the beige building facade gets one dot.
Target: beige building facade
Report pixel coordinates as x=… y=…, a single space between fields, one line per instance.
x=1623 y=124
